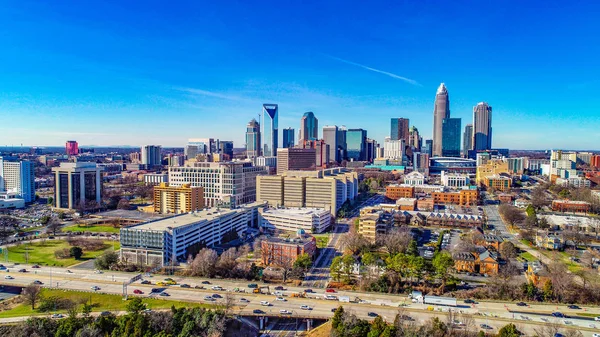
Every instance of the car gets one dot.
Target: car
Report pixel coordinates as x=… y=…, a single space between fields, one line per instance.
x=2 y=267
x=146 y=282
x=372 y=314
x=208 y=298
x=22 y=270
x=205 y=282
x=198 y=287
x=243 y=300
x=305 y=307
x=217 y=296
x=258 y=311
x=308 y=291
x=169 y=279
x=105 y=313
x=469 y=301
x=137 y=291
x=522 y=304
x=95 y=288
x=280 y=299
x=216 y=288
x=164 y=294
x=279 y=288
x=573 y=306
x=596 y=335
x=329 y=290
x=285 y=312
x=333 y=309
x=35 y=266
x=171 y=282
x=265 y=303
x=161 y=283
x=185 y=286
x=98 y=271
x=558 y=334
x=252 y=285
x=485 y=327
x=8 y=277
x=57 y=316
x=597 y=318
x=38 y=282
x=155 y=290
x=557 y=314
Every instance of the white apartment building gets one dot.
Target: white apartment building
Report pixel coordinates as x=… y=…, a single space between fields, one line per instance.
x=414 y=178
x=159 y=242
x=576 y=182
x=393 y=149
x=455 y=180
x=18 y=177
x=311 y=220
x=223 y=182
x=156 y=178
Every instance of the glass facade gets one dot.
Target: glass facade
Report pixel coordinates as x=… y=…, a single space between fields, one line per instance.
x=253 y=139
x=309 y=127
x=356 y=144
x=270 y=130
x=288 y=138
x=451 y=132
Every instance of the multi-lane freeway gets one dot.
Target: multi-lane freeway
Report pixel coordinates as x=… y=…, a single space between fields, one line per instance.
x=491 y=313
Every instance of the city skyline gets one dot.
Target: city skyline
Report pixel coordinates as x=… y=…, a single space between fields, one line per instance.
x=65 y=74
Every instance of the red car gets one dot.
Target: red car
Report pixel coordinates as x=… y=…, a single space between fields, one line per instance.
x=329 y=290
x=137 y=291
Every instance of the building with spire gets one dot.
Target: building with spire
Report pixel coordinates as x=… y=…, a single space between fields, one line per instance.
x=441 y=111
x=269 y=130
x=253 y=139
x=482 y=126
x=309 y=127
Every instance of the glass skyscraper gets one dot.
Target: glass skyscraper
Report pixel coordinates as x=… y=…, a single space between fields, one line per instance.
x=356 y=144
x=253 y=143
x=288 y=138
x=482 y=127
x=309 y=127
x=451 y=132
x=269 y=130
x=428 y=147
x=399 y=129
x=441 y=111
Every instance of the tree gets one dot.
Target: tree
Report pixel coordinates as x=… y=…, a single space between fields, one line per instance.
x=204 y=264
x=303 y=262
x=353 y=242
x=543 y=223
x=76 y=252
x=227 y=262
x=53 y=225
x=442 y=262
x=548 y=291
x=7 y=226
x=538 y=197
x=338 y=315
x=511 y=214
x=106 y=260
x=31 y=294
x=508 y=250
x=413 y=249
x=123 y=204
x=135 y=306
x=509 y=330
x=368 y=259
x=530 y=211
x=335 y=270
x=396 y=241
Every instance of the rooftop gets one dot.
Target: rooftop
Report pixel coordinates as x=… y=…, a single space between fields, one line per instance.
x=296 y=211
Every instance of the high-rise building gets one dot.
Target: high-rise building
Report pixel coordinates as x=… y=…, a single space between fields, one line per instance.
x=393 y=149
x=77 y=185
x=330 y=136
x=18 y=177
x=467 y=139
x=482 y=126
x=414 y=139
x=321 y=151
x=451 y=132
x=177 y=200
x=226 y=148
x=270 y=129
x=71 y=148
x=309 y=127
x=428 y=147
x=288 y=138
x=342 y=153
x=253 y=143
x=223 y=182
x=371 y=150
x=356 y=142
x=399 y=129
x=295 y=159
x=151 y=155
x=441 y=111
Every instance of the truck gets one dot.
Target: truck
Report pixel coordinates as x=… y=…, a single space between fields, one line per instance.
x=345 y=299
x=437 y=300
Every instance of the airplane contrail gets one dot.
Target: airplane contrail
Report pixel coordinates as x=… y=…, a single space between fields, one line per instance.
x=392 y=75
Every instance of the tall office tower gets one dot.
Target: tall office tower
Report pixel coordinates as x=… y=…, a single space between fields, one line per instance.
x=414 y=139
x=468 y=139
x=428 y=147
x=18 y=177
x=330 y=136
x=451 y=137
x=295 y=159
x=356 y=144
x=399 y=129
x=210 y=145
x=309 y=127
x=342 y=153
x=253 y=144
x=441 y=111
x=151 y=155
x=482 y=126
x=71 y=148
x=393 y=149
x=288 y=138
x=77 y=185
x=226 y=148
x=371 y=149
x=269 y=130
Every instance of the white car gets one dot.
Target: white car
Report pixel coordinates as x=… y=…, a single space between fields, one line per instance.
x=243 y=300
x=8 y=277
x=265 y=303
x=284 y=312
x=304 y=307
x=95 y=288
x=57 y=316
x=596 y=335
x=597 y=319
x=280 y=299
x=98 y=271
x=216 y=288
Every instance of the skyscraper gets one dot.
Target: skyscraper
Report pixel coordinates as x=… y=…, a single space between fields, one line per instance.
x=253 y=143
x=399 y=129
x=428 y=147
x=342 y=153
x=482 y=126
x=309 y=127
x=288 y=138
x=226 y=148
x=71 y=148
x=441 y=111
x=151 y=155
x=330 y=136
x=269 y=130
x=468 y=139
x=356 y=143
x=451 y=137
x=414 y=139
x=18 y=177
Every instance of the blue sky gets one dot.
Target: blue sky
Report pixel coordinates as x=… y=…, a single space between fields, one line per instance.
x=133 y=72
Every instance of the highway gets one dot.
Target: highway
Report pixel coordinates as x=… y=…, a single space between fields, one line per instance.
x=491 y=313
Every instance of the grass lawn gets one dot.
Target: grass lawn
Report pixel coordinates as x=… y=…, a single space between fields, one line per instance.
x=32 y=229
x=101 y=302
x=43 y=253
x=322 y=240
x=527 y=257
x=91 y=229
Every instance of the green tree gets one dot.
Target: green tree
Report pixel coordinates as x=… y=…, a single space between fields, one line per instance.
x=530 y=210
x=377 y=327
x=336 y=268
x=548 y=291
x=50 y=201
x=76 y=252
x=413 y=250
x=303 y=262
x=368 y=259
x=442 y=262
x=336 y=320
x=347 y=265
x=135 y=306
x=530 y=290
x=509 y=330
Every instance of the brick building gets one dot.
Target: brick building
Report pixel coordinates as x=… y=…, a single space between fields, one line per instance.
x=396 y=192
x=571 y=206
x=482 y=262
x=462 y=197
x=283 y=251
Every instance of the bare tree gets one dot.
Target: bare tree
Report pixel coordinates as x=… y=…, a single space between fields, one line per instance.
x=53 y=225
x=353 y=241
x=31 y=294
x=396 y=241
x=508 y=250
x=286 y=264
x=204 y=264
x=575 y=237
x=548 y=329
x=538 y=197
x=228 y=303
x=511 y=214
x=257 y=247
x=7 y=226
x=227 y=263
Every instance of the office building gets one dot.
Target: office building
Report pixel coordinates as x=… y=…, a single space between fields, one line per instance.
x=71 y=148
x=498 y=182
x=371 y=150
x=160 y=242
x=253 y=141
x=176 y=200
x=414 y=139
x=331 y=138
x=269 y=162
x=491 y=167
x=223 y=182
x=467 y=139
x=516 y=165
x=455 y=180
x=441 y=111
x=374 y=225
x=197 y=146
x=595 y=161
x=18 y=177
x=226 y=148
x=356 y=144
x=309 y=220
x=151 y=155
x=342 y=153
x=400 y=129
x=288 y=138
x=464 y=197
x=482 y=126
x=283 y=251
x=295 y=159
x=77 y=185
x=269 y=131
x=154 y=179
x=428 y=147
x=309 y=127
x=571 y=206
x=448 y=164
x=327 y=189
x=393 y=149
x=11 y=200
x=451 y=132
x=321 y=151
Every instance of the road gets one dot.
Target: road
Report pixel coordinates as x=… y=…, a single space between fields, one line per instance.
x=492 y=313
